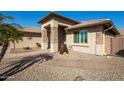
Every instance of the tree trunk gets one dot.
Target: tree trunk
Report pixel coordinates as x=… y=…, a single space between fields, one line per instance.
x=3 y=51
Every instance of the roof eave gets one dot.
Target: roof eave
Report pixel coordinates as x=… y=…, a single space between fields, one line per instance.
x=89 y=25
x=115 y=29
x=108 y=21
x=52 y=14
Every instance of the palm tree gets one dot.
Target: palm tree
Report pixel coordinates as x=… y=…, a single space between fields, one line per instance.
x=9 y=32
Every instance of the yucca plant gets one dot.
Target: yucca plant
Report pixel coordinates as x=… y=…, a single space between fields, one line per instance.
x=9 y=32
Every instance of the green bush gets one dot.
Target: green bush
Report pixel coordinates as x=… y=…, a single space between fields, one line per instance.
x=38 y=44
x=26 y=48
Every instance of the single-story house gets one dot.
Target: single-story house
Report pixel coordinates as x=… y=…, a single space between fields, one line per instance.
x=91 y=36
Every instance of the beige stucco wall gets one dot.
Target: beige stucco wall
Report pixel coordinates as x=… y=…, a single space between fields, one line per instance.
x=91 y=47
x=27 y=42
x=86 y=48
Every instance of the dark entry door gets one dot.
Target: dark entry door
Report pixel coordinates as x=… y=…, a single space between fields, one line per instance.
x=48 y=36
x=61 y=38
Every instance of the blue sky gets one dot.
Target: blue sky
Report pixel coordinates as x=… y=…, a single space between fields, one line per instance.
x=30 y=18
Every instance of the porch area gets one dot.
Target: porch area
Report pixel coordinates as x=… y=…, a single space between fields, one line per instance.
x=53 y=30
x=53 y=37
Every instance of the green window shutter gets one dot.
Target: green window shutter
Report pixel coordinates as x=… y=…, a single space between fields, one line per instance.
x=76 y=37
x=83 y=37
x=85 y=40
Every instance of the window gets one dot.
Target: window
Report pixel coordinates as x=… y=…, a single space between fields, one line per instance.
x=80 y=36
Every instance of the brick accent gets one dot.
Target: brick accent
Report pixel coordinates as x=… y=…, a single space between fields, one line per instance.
x=99 y=38
x=54 y=36
x=99 y=35
x=44 y=39
x=44 y=36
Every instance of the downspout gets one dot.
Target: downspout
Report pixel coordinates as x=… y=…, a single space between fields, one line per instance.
x=109 y=28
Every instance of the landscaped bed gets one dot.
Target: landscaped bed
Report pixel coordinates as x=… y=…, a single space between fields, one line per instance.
x=25 y=49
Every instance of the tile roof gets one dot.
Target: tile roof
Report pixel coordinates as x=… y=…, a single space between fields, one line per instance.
x=31 y=29
x=93 y=23
x=90 y=23
x=53 y=14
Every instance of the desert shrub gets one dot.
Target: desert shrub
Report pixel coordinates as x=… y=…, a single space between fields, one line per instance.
x=1 y=44
x=26 y=48
x=38 y=44
x=63 y=48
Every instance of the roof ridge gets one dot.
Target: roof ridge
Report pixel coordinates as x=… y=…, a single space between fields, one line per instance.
x=57 y=15
x=107 y=19
x=30 y=27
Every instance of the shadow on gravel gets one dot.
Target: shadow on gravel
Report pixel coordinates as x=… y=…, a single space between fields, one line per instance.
x=79 y=78
x=19 y=65
x=120 y=53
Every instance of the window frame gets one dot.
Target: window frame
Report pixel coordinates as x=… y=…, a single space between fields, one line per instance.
x=75 y=37
x=82 y=39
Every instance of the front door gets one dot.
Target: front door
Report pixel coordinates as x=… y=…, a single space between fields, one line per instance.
x=61 y=37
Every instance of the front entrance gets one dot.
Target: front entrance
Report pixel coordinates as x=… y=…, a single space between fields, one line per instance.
x=57 y=36
x=61 y=36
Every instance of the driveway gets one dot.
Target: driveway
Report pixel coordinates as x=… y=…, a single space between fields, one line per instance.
x=73 y=66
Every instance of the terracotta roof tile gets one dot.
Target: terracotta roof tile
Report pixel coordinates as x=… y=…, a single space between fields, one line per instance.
x=31 y=29
x=89 y=23
x=53 y=14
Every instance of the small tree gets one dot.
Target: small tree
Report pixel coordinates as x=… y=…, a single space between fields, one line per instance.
x=9 y=32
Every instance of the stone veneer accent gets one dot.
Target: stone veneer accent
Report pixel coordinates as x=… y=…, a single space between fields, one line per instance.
x=54 y=36
x=44 y=39
x=99 y=35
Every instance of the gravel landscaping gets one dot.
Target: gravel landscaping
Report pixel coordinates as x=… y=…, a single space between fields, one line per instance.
x=71 y=67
